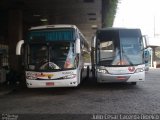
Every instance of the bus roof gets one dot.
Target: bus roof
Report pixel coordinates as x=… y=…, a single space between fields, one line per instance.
x=117 y=28
x=53 y=26
x=131 y=32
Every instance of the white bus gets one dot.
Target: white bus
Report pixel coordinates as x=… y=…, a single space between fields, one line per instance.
x=54 y=56
x=118 y=55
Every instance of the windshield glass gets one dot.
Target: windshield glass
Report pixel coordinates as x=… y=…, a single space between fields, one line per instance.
x=113 y=50
x=108 y=53
x=132 y=50
x=55 y=56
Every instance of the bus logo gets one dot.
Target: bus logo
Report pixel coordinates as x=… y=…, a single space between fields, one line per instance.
x=131 y=69
x=45 y=75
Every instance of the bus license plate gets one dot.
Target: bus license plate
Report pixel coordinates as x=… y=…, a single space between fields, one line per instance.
x=49 y=83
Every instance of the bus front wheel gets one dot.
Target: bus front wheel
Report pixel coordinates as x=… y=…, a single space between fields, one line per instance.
x=80 y=77
x=87 y=72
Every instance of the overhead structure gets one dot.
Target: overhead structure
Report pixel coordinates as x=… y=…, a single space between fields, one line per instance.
x=17 y=16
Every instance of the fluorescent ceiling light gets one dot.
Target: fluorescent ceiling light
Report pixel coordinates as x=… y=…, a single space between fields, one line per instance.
x=44 y=19
x=94 y=26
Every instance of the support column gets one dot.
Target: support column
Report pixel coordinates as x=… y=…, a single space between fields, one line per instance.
x=15 y=34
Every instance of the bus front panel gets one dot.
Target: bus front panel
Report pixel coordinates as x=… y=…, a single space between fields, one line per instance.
x=67 y=78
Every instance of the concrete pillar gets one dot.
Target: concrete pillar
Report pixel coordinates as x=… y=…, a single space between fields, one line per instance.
x=15 y=34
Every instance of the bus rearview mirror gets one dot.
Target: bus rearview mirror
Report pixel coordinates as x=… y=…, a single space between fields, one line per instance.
x=78 y=48
x=19 y=47
x=145 y=41
x=93 y=43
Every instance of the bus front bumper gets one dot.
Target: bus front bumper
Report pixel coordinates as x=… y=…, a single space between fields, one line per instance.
x=51 y=83
x=108 y=78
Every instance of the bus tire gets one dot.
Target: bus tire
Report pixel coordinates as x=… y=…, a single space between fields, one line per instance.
x=87 y=76
x=93 y=73
x=133 y=83
x=81 y=77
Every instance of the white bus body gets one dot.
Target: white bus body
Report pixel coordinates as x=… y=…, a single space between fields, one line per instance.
x=117 y=55
x=53 y=56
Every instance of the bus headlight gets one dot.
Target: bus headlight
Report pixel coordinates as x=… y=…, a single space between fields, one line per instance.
x=70 y=76
x=102 y=71
x=139 y=70
x=31 y=75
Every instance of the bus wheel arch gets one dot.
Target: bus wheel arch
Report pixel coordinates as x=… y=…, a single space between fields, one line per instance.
x=133 y=83
x=80 y=78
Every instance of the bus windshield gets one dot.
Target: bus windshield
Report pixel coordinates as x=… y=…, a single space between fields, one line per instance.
x=117 y=50
x=132 y=50
x=52 y=56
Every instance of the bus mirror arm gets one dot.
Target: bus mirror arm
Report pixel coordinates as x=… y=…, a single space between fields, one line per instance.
x=19 y=46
